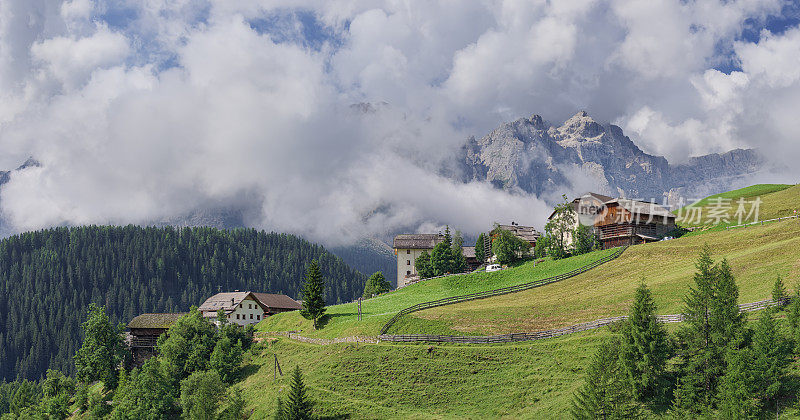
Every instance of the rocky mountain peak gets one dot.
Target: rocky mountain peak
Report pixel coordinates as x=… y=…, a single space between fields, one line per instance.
x=582 y=126
x=531 y=156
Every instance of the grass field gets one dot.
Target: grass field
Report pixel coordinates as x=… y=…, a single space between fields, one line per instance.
x=526 y=380
x=532 y=380
x=342 y=320
x=777 y=200
x=757 y=255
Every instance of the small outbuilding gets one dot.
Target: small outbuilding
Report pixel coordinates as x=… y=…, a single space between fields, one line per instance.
x=143 y=333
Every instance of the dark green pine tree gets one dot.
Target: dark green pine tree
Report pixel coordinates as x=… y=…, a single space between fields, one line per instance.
x=605 y=394
x=313 y=290
x=644 y=346
x=701 y=367
x=770 y=358
x=479 y=251
x=726 y=318
x=793 y=317
x=737 y=396
x=298 y=406
x=423 y=265
x=779 y=291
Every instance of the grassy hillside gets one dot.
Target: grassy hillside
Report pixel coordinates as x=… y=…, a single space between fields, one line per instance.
x=777 y=200
x=757 y=254
x=526 y=380
x=342 y=319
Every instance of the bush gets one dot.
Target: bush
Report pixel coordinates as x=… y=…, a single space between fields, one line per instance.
x=376 y=284
x=201 y=395
x=507 y=247
x=226 y=358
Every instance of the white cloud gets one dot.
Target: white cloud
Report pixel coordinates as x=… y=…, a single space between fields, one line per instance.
x=184 y=105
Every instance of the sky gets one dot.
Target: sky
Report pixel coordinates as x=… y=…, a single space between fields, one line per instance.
x=147 y=110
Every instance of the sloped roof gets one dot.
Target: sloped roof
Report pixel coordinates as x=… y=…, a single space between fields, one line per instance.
x=277 y=301
x=574 y=203
x=526 y=233
x=417 y=241
x=227 y=301
x=642 y=207
x=163 y=320
x=468 y=251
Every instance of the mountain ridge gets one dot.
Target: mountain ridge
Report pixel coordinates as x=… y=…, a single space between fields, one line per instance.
x=531 y=156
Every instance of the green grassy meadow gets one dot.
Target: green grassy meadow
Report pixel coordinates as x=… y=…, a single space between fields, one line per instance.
x=757 y=255
x=421 y=381
x=342 y=320
x=777 y=200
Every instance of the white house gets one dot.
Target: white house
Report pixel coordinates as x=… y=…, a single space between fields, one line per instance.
x=408 y=247
x=240 y=308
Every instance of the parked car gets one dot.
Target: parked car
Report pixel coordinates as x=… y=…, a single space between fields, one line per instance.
x=493 y=267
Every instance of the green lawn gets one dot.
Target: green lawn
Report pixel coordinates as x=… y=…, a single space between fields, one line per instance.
x=778 y=200
x=530 y=380
x=757 y=255
x=342 y=319
x=524 y=380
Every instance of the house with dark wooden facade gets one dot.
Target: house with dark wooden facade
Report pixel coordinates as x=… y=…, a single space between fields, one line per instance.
x=630 y=222
x=143 y=332
x=275 y=303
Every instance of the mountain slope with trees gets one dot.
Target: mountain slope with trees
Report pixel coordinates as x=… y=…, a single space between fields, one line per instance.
x=49 y=277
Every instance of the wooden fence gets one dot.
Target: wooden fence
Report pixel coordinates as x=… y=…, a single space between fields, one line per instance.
x=498 y=292
x=539 y=335
x=762 y=222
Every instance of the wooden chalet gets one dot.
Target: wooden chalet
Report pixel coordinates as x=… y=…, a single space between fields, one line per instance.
x=143 y=333
x=275 y=304
x=631 y=222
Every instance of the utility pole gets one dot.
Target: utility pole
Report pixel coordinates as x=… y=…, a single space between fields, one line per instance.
x=359 y=309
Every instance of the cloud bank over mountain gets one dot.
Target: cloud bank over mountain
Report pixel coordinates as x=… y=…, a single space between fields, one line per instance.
x=145 y=111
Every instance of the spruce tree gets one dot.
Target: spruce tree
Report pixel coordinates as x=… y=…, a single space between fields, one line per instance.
x=711 y=322
x=779 y=291
x=298 y=406
x=604 y=394
x=737 y=387
x=793 y=317
x=313 y=299
x=479 y=251
x=726 y=319
x=644 y=346
x=441 y=259
x=770 y=357
x=423 y=265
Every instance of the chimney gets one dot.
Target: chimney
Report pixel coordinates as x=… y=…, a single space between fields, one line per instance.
x=231 y=301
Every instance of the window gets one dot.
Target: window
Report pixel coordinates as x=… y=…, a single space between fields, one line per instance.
x=408 y=262
x=251 y=316
x=408 y=273
x=237 y=316
x=249 y=306
x=240 y=305
x=408 y=251
x=258 y=316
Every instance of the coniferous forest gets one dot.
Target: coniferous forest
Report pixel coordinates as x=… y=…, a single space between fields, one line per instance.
x=49 y=277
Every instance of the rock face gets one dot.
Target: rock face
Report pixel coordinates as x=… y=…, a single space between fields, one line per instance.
x=531 y=156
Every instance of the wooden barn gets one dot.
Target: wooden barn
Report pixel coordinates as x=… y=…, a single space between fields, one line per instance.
x=631 y=222
x=143 y=332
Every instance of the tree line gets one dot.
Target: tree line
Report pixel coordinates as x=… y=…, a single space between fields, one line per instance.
x=49 y=276
x=190 y=376
x=717 y=365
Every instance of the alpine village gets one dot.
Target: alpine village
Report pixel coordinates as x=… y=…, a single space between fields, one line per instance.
x=295 y=210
